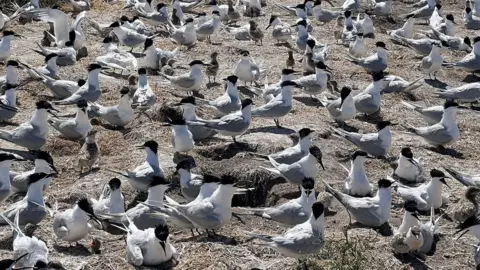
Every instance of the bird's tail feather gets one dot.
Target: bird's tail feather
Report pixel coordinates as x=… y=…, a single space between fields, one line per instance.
x=413 y=85
x=263 y=237
x=170 y=200
x=274 y=171
x=5 y=135
x=117 y=172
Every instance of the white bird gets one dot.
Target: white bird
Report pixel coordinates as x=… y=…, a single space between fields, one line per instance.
x=374 y=63
x=188 y=106
x=30 y=251
x=182 y=138
x=246 y=69
x=302 y=35
x=302 y=240
x=188 y=82
x=269 y=91
x=324 y=15
x=341 y=109
x=190 y=183
x=410 y=217
x=314 y=84
x=209 y=28
x=116 y=58
x=357 y=47
x=356 y=184
x=470 y=22
x=375 y=144
x=464 y=178
x=144 y=97
x=294 y=173
x=382 y=8
x=432 y=63
x=426 y=195
x=406 y=30
x=281 y=32
x=60 y=89
x=149 y=247
x=372 y=212
x=67 y=55
x=8 y=103
x=469 y=63
x=72 y=225
x=421 y=46
x=369 y=101
x=397 y=84
x=43 y=164
x=5 y=45
x=241 y=33
x=49 y=69
x=134 y=24
x=437 y=17
x=292 y=212
x=234 y=124
x=365 y=25
x=227 y=103
x=74 y=128
x=111 y=200
x=11 y=76
x=444 y=132
x=157 y=17
x=141 y=177
x=119 y=115
x=431 y=115
x=185 y=35
x=156 y=58
x=80 y=5
x=6 y=161
x=408 y=169
x=128 y=37
x=6 y=21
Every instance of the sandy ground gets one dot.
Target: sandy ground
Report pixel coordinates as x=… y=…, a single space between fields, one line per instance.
x=368 y=249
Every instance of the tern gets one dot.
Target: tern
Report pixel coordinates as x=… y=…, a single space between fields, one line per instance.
x=11 y=76
x=188 y=82
x=198 y=132
x=375 y=144
x=444 y=132
x=144 y=97
x=324 y=15
x=426 y=195
x=302 y=35
x=6 y=161
x=302 y=240
x=43 y=164
x=234 y=124
x=102 y=28
x=8 y=103
x=406 y=30
x=116 y=58
x=50 y=68
x=348 y=28
x=471 y=62
x=470 y=22
x=182 y=139
x=294 y=173
x=365 y=25
x=357 y=48
x=154 y=57
x=141 y=177
x=356 y=183
x=437 y=17
x=420 y=46
x=453 y=42
x=89 y=91
x=314 y=84
x=446 y=27
x=128 y=37
x=429 y=232
x=241 y=33
x=279 y=106
x=227 y=103
x=80 y=5
x=119 y=115
x=369 y=101
x=185 y=35
x=410 y=217
x=318 y=54
x=382 y=8
x=408 y=168
x=431 y=115
x=372 y=212
x=432 y=63
x=292 y=212
x=210 y=27
x=111 y=200
x=5 y=45
x=246 y=69
x=374 y=63
x=6 y=21
x=134 y=24
x=425 y=11
x=72 y=225
x=281 y=32
x=464 y=178
x=190 y=183
x=396 y=84
x=67 y=56
x=31 y=134
x=75 y=128
x=271 y=90
x=407 y=242
x=341 y=109
x=31 y=209
x=29 y=251
x=89 y=152
x=157 y=17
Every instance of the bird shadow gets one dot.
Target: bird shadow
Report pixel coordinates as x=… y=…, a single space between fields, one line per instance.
x=122 y=130
x=30 y=155
x=436 y=83
x=76 y=250
x=93 y=170
x=411 y=260
x=284 y=44
x=447 y=152
x=177 y=157
x=346 y=127
x=471 y=78
x=244 y=91
x=271 y=129
x=168 y=265
x=308 y=101
x=384 y=230
x=116 y=75
x=138 y=55
x=8 y=123
x=215 y=238
x=212 y=84
x=371 y=119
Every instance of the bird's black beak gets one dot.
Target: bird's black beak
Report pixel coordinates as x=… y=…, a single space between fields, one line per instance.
x=140 y=147
x=445 y=182
x=268 y=26
x=163 y=246
x=53 y=168
x=321 y=163
x=415 y=215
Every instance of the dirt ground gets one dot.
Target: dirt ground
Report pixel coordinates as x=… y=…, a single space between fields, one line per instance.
x=366 y=248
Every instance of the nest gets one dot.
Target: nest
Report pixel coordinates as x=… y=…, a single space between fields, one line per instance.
x=161 y=113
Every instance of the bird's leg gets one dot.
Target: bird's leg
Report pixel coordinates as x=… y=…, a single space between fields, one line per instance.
x=191 y=230
x=196 y=229
x=234 y=140
x=131 y=50
x=277 y=123
x=214 y=78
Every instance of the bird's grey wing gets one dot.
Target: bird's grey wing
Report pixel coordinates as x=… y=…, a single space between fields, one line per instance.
x=202 y=213
x=134 y=254
x=267 y=109
x=59 y=226
x=426 y=63
x=184 y=81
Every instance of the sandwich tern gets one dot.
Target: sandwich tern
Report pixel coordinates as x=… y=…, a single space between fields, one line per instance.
x=281 y=32
x=5 y=45
x=210 y=27
x=72 y=225
x=31 y=209
x=246 y=69
x=324 y=15
x=429 y=231
x=294 y=173
x=11 y=76
x=396 y=84
x=365 y=25
x=382 y=8
x=314 y=84
x=119 y=115
x=407 y=242
x=370 y=100
x=431 y=115
x=74 y=128
x=371 y=212
x=406 y=30
x=269 y=91
x=89 y=91
x=421 y=46
x=116 y=58
x=198 y=132
x=341 y=109
x=157 y=17
x=357 y=48
x=43 y=164
x=444 y=132
x=303 y=239
x=67 y=56
x=375 y=144
x=374 y=63
x=241 y=33
x=356 y=183
x=190 y=183
x=89 y=152
x=348 y=30
x=470 y=22
x=8 y=103
x=49 y=69
x=410 y=217
x=426 y=195
x=32 y=134
x=142 y=175
x=111 y=200
x=279 y=106
x=425 y=11
x=102 y=28
x=144 y=97
x=302 y=35
x=134 y=24
x=437 y=16
x=154 y=57
x=464 y=178
x=432 y=63
x=212 y=69
x=185 y=35
x=408 y=168
x=233 y=124
x=470 y=62
x=292 y=212
x=227 y=103
x=453 y=42
x=128 y=37
x=6 y=161
x=188 y=82
x=182 y=138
